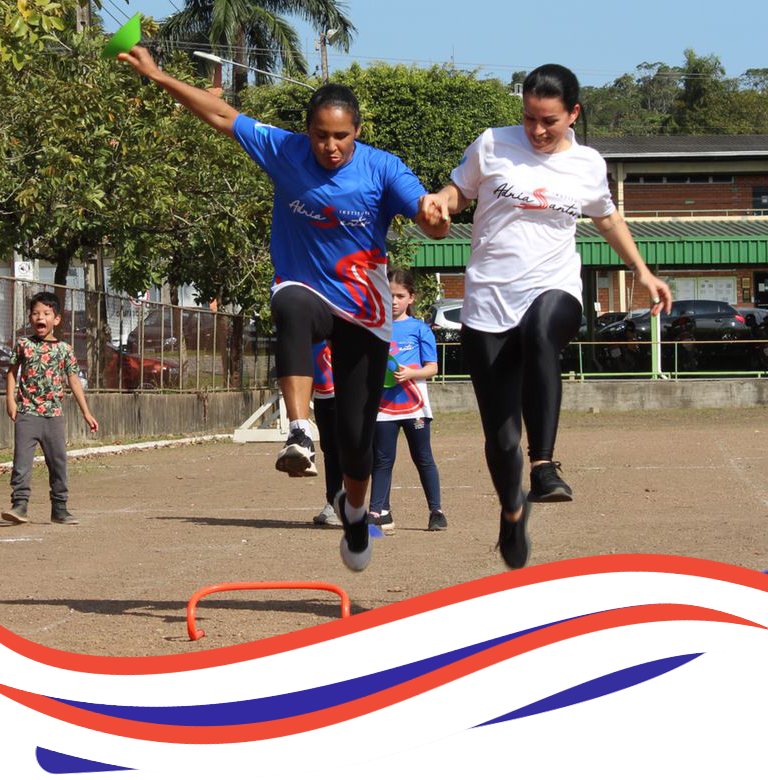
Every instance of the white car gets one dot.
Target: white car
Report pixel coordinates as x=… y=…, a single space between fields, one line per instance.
x=445 y=314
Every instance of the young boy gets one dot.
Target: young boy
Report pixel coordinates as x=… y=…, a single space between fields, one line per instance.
x=39 y=367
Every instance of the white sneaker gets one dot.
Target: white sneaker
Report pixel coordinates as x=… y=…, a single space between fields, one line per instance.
x=356 y=547
x=326 y=516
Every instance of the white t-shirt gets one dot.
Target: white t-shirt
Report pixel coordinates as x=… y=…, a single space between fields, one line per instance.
x=524 y=230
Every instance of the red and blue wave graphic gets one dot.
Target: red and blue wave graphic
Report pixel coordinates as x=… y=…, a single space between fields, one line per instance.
x=639 y=631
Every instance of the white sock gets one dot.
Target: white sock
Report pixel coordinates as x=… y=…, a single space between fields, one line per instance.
x=301 y=425
x=354 y=513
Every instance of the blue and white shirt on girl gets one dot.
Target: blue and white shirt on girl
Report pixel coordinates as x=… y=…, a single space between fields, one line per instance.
x=413 y=345
x=329 y=227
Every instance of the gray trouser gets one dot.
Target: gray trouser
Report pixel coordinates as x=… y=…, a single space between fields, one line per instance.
x=49 y=433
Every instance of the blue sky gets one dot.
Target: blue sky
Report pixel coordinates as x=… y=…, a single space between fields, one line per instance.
x=599 y=41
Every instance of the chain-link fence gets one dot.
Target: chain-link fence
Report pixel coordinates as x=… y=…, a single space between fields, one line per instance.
x=124 y=344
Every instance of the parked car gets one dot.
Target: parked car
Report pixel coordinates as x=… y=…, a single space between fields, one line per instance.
x=756 y=319
x=6 y=353
x=111 y=361
x=608 y=318
x=117 y=361
x=689 y=321
x=444 y=317
x=161 y=324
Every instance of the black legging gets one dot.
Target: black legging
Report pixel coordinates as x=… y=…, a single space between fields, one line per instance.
x=325 y=417
x=359 y=360
x=516 y=374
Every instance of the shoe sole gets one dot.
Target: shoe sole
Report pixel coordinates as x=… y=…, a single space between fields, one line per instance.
x=13 y=519
x=355 y=561
x=330 y=523
x=295 y=462
x=65 y=522
x=437 y=528
x=554 y=497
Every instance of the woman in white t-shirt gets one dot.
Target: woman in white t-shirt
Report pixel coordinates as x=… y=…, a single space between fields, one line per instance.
x=522 y=301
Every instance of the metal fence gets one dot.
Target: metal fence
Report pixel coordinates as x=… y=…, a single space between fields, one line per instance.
x=580 y=360
x=125 y=344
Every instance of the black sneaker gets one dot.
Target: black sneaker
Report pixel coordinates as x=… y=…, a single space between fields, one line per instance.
x=356 y=547
x=16 y=515
x=297 y=458
x=437 y=521
x=385 y=521
x=60 y=514
x=546 y=485
x=514 y=541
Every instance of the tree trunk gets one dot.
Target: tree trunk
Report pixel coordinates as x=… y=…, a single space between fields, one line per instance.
x=64 y=330
x=239 y=71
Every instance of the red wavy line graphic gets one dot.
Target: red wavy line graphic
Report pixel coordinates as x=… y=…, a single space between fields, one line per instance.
x=547 y=572
x=413 y=402
x=541 y=200
x=215 y=735
x=353 y=271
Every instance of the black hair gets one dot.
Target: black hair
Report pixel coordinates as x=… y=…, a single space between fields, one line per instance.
x=47 y=299
x=404 y=278
x=334 y=95
x=553 y=81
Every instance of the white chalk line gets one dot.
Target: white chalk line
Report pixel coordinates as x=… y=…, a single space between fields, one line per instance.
x=645 y=468
x=114 y=449
x=22 y=539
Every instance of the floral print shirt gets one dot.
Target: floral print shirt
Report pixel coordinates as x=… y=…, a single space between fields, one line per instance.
x=43 y=370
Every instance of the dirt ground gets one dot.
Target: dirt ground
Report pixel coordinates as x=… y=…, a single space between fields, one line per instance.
x=157 y=525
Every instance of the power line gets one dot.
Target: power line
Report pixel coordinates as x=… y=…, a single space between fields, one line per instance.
x=457 y=64
x=118 y=9
x=106 y=11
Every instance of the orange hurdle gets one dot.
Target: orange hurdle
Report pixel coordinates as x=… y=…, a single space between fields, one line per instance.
x=195 y=633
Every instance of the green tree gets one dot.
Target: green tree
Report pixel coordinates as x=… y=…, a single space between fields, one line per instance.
x=93 y=157
x=756 y=78
x=254 y=33
x=703 y=83
x=27 y=25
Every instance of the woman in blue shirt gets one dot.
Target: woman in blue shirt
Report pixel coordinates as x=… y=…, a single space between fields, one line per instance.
x=334 y=199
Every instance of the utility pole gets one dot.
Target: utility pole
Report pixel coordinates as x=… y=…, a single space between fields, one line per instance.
x=326 y=37
x=324 y=56
x=83 y=16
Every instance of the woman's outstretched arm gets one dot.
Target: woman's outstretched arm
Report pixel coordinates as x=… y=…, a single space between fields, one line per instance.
x=614 y=230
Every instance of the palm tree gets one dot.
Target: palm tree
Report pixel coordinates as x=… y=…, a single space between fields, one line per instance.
x=252 y=32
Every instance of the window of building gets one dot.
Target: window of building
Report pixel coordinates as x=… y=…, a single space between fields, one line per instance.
x=680 y=178
x=712 y=288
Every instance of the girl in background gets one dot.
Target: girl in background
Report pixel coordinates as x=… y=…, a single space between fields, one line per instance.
x=405 y=405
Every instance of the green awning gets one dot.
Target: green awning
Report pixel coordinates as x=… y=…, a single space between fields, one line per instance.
x=674 y=242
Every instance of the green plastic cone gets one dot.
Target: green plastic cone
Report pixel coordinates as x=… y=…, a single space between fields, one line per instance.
x=389 y=377
x=124 y=39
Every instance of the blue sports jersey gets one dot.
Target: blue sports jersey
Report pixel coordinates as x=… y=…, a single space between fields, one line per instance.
x=322 y=368
x=413 y=345
x=329 y=227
